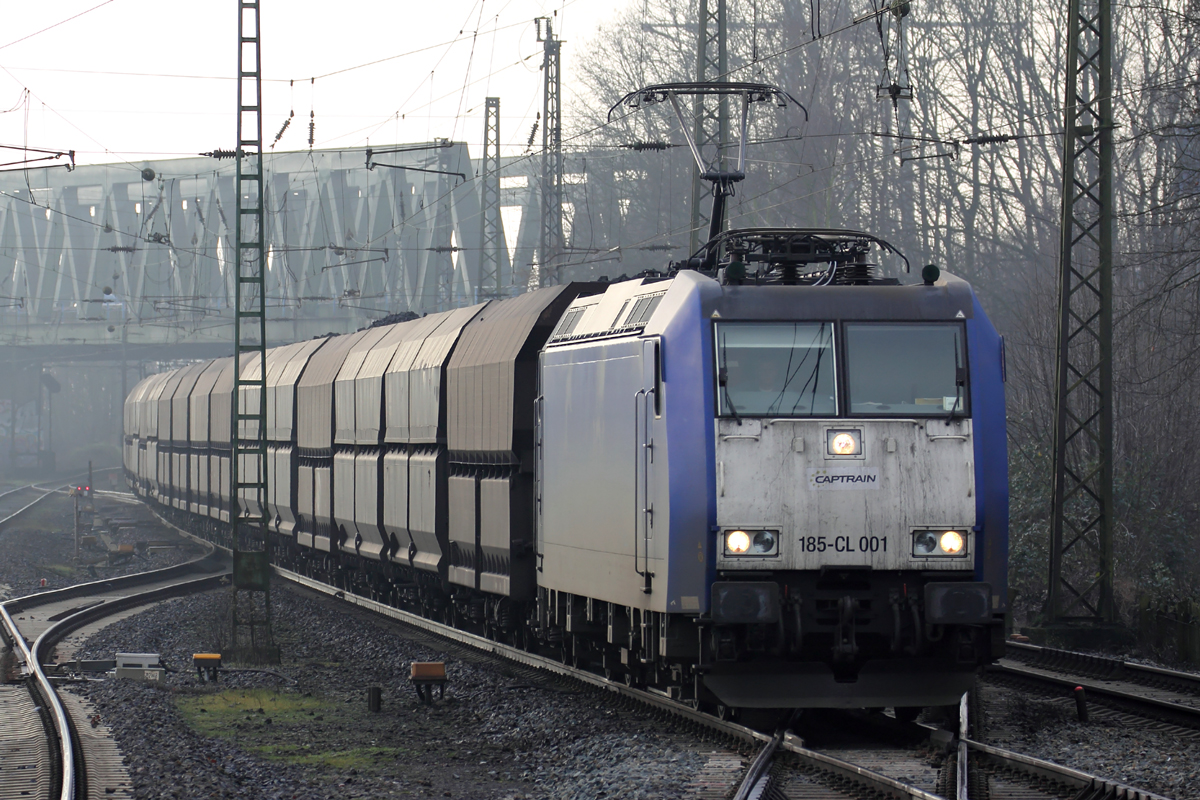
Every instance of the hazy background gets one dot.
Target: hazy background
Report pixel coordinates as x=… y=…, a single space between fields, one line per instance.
x=908 y=171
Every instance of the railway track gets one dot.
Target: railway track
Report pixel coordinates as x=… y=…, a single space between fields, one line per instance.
x=979 y=770
x=46 y=749
x=784 y=768
x=16 y=502
x=1118 y=689
x=791 y=770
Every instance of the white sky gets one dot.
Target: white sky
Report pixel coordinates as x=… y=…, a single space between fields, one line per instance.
x=151 y=79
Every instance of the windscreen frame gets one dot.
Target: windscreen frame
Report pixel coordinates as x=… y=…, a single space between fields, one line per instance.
x=845 y=365
x=720 y=398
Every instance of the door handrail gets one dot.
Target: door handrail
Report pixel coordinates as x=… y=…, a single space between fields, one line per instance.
x=643 y=457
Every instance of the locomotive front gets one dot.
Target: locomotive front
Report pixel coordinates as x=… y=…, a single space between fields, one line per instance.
x=860 y=498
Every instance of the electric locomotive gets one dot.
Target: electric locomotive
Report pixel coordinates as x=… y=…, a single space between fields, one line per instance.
x=788 y=488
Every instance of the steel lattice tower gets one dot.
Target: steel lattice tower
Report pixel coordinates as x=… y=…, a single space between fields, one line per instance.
x=491 y=284
x=711 y=129
x=248 y=465
x=1081 y=538
x=552 y=244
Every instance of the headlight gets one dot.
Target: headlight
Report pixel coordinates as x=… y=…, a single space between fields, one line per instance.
x=951 y=542
x=935 y=543
x=843 y=443
x=740 y=542
x=924 y=543
x=764 y=542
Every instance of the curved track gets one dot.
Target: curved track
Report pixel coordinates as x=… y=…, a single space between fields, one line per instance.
x=44 y=755
x=16 y=502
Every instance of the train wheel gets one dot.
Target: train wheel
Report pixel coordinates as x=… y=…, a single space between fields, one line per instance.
x=578 y=654
x=726 y=713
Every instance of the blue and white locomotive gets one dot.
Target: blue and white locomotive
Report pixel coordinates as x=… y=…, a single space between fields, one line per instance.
x=792 y=481
x=777 y=483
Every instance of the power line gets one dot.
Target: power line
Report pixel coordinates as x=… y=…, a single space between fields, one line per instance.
x=55 y=25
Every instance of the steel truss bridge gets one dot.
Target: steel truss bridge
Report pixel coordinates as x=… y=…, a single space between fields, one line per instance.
x=346 y=244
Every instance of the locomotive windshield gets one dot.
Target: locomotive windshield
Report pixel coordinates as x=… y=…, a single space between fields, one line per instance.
x=905 y=369
x=776 y=369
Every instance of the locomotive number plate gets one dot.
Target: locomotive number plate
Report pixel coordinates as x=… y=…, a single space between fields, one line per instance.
x=843 y=544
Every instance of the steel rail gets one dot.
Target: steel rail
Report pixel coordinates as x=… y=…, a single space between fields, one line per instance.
x=1102 y=667
x=211 y=558
x=31 y=657
x=73 y=769
x=60 y=722
x=1129 y=702
x=1081 y=784
x=1087 y=786
x=45 y=493
x=33 y=669
x=758 y=769
x=93 y=613
x=15 y=490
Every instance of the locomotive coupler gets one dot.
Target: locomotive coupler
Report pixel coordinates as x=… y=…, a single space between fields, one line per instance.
x=798 y=622
x=845 y=646
x=897 y=630
x=902 y=607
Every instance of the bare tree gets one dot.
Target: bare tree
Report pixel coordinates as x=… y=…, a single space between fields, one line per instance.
x=965 y=174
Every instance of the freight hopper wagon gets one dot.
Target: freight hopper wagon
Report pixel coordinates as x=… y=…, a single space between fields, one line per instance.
x=778 y=483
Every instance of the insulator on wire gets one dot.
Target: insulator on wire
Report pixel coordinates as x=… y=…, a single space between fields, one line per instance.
x=286 y=123
x=219 y=154
x=533 y=132
x=998 y=139
x=312 y=128
x=639 y=146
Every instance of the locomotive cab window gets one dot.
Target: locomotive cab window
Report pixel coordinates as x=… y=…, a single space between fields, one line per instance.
x=906 y=369
x=776 y=369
